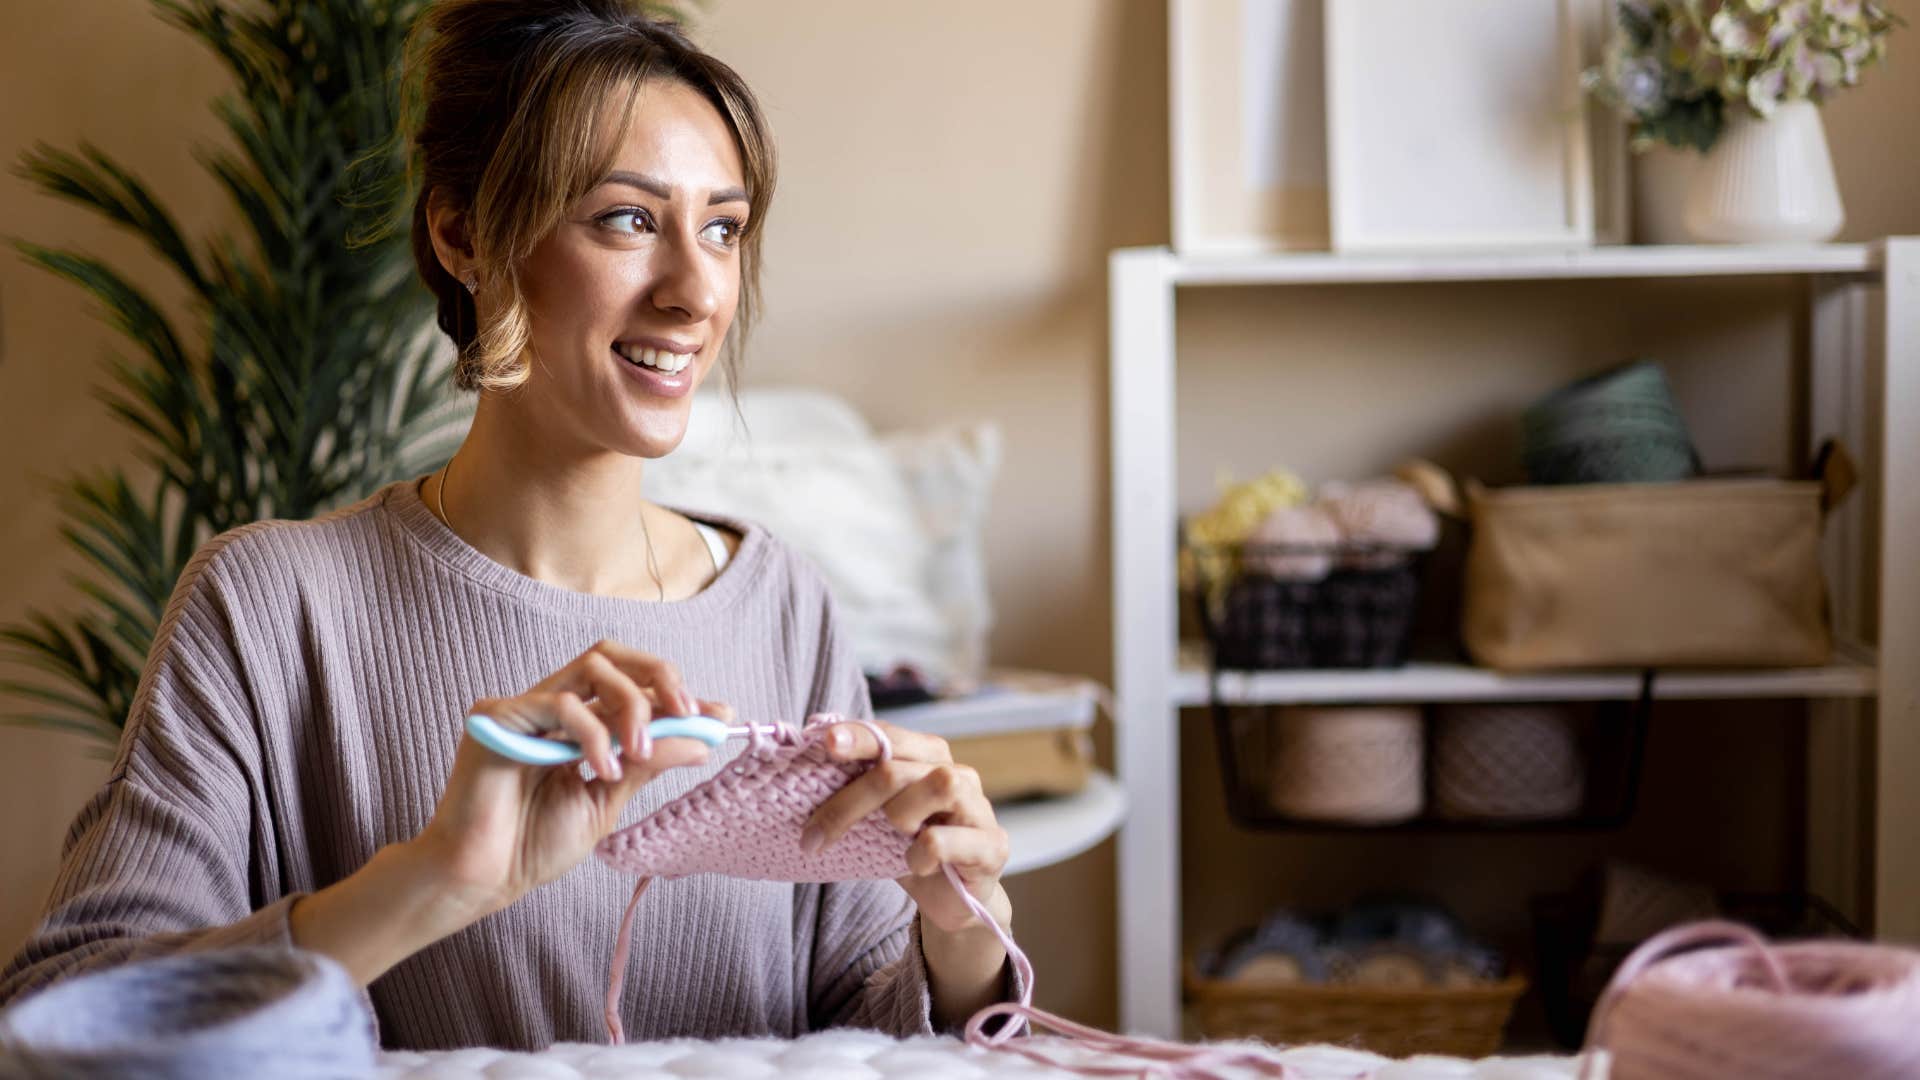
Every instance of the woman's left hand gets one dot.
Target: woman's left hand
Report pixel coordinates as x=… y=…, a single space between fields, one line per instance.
x=925 y=795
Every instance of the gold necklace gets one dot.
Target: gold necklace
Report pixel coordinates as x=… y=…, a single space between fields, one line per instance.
x=653 y=566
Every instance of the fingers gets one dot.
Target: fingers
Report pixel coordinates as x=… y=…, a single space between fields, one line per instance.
x=658 y=677
x=910 y=794
x=950 y=792
x=975 y=852
x=853 y=742
x=584 y=728
x=861 y=796
x=667 y=754
x=621 y=703
x=651 y=671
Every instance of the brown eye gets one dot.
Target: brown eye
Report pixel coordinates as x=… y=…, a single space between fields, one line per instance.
x=725 y=232
x=626 y=219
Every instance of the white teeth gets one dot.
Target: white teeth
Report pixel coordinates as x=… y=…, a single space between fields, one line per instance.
x=658 y=359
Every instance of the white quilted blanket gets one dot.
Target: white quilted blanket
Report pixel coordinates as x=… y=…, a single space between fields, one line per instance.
x=859 y=1055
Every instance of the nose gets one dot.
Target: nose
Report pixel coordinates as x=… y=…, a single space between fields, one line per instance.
x=686 y=281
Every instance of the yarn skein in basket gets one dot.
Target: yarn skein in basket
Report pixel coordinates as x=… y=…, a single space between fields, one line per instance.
x=1618 y=427
x=257 y=1011
x=1756 y=1010
x=745 y=821
x=1349 y=764
x=1506 y=763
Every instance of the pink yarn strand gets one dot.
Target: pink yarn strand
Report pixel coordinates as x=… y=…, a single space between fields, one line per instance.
x=1173 y=1060
x=617 y=977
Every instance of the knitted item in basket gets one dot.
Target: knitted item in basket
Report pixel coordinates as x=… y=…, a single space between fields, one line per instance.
x=1510 y=762
x=1382 y=519
x=745 y=821
x=1357 y=765
x=1294 y=543
x=1618 y=427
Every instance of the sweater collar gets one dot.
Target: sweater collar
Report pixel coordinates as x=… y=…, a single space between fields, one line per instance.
x=403 y=503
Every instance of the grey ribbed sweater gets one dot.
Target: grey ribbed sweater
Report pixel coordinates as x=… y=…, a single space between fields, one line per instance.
x=300 y=710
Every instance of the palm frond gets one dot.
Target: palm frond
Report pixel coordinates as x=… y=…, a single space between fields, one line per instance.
x=303 y=385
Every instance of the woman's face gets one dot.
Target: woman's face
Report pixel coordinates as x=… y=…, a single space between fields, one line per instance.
x=631 y=297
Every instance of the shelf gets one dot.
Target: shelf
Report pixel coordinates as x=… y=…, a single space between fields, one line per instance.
x=1041 y=832
x=1853 y=674
x=1007 y=701
x=1623 y=261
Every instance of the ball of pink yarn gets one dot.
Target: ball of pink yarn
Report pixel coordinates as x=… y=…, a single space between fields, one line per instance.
x=1759 y=1011
x=1296 y=543
x=1384 y=513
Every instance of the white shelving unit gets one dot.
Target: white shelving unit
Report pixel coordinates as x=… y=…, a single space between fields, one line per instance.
x=1864 y=306
x=1853 y=674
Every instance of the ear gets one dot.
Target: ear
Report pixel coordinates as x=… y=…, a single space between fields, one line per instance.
x=447 y=226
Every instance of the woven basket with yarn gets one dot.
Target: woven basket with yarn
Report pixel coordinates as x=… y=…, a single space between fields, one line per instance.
x=1466 y=1021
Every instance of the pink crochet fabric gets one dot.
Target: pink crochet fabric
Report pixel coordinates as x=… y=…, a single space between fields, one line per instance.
x=745 y=822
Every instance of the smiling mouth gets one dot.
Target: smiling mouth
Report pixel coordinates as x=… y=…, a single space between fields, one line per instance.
x=661 y=360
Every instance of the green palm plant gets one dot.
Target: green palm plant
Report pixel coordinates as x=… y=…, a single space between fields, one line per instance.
x=312 y=378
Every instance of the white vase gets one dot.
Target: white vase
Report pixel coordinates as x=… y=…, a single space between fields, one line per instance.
x=1766 y=181
x=1661 y=176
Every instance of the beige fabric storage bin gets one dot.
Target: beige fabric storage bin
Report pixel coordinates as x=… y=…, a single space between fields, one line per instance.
x=1704 y=573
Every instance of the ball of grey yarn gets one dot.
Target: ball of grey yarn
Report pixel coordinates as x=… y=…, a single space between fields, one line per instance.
x=258 y=1011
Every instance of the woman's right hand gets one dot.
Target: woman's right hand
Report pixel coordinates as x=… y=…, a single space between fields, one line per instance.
x=503 y=828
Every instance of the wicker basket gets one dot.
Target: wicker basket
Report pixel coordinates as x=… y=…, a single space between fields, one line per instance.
x=1466 y=1021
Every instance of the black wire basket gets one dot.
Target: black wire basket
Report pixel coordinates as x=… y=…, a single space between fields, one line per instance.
x=1359 y=615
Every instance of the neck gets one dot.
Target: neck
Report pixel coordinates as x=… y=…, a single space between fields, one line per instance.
x=566 y=515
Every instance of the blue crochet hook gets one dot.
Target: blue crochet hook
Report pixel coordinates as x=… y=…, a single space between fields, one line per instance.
x=535 y=750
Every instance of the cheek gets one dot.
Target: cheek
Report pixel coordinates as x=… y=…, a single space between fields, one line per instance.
x=575 y=298
x=728 y=306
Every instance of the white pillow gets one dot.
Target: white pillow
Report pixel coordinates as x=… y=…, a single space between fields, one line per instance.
x=773 y=416
x=950 y=471
x=894 y=524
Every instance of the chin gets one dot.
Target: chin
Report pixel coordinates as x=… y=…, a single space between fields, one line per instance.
x=657 y=435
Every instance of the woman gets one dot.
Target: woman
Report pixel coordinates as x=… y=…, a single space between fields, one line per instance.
x=593 y=193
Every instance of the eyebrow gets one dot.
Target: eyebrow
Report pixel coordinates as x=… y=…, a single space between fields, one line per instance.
x=654 y=187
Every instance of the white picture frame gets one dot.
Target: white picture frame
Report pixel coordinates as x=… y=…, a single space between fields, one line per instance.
x=1247 y=124
x=1457 y=124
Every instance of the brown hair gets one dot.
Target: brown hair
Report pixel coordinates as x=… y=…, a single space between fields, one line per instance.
x=510 y=97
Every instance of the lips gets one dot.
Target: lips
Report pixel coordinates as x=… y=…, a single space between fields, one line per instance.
x=654 y=381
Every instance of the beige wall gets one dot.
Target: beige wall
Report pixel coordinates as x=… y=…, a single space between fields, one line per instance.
x=953 y=176
x=107 y=72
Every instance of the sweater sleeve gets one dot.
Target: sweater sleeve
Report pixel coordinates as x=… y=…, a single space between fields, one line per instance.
x=161 y=859
x=868 y=967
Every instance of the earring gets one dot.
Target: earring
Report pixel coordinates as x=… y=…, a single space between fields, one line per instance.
x=471 y=282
